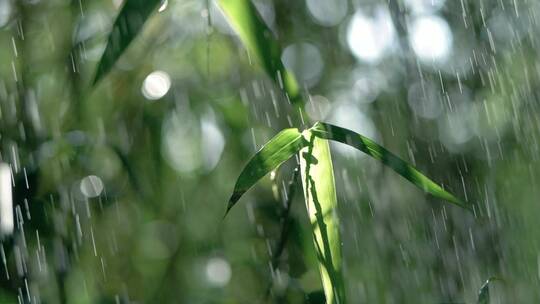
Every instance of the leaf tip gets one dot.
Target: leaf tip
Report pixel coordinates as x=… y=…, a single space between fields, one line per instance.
x=95 y=81
x=98 y=75
x=232 y=201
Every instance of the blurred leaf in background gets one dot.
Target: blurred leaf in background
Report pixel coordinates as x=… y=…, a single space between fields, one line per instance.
x=119 y=190
x=127 y=25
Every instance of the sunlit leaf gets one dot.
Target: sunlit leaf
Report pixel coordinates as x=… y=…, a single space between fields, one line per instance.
x=321 y=203
x=127 y=25
x=368 y=146
x=260 y=43
x=279 y=149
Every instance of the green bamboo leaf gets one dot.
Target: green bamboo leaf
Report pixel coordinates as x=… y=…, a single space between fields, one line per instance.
x=321 y=203
x=279 y=149
x=259 y=40
x=368 y=146
x=127 y=25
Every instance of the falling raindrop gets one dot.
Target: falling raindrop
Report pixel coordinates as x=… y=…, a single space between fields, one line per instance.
x=318 y=107
x=424 y=100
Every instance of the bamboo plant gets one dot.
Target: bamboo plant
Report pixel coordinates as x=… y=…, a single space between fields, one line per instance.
x=310 y=145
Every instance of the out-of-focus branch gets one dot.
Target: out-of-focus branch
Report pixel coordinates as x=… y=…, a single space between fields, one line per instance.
x=285 y=224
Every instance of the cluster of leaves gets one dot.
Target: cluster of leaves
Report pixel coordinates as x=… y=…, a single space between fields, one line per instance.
x=311 y=144
x=290 y=141
x=315 y=159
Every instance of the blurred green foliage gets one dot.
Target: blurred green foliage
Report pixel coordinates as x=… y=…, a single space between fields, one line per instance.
x=152 y=232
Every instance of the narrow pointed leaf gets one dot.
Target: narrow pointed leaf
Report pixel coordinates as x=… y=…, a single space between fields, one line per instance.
x=259 y=40
x=368 y=146
x=321 y=203
x=279 y=149
x=127 y=25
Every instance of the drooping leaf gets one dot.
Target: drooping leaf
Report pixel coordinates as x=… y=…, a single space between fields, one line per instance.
x=279 y=149
x=127 y=25
x=321 y=203
x=368 y=146
x=261 y=44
